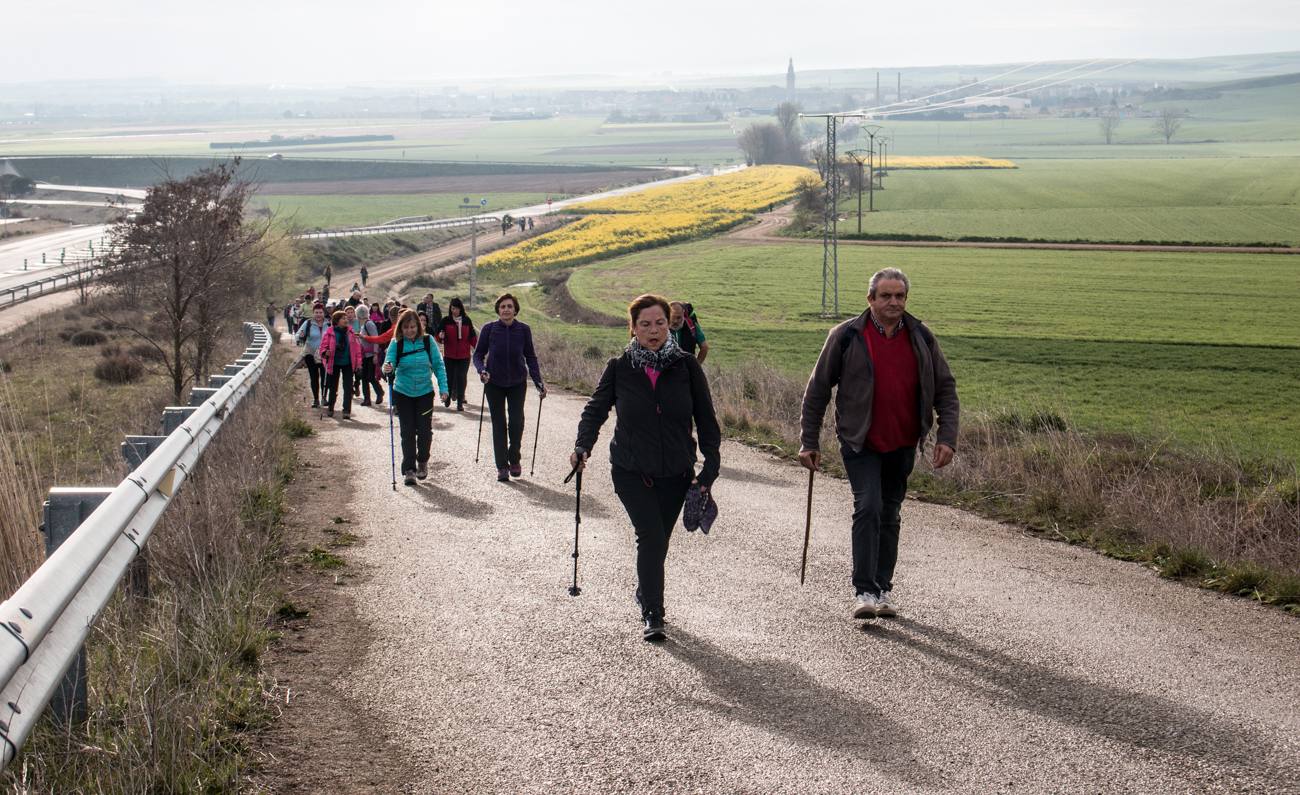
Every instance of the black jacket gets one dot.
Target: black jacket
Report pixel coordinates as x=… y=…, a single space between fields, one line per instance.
x=652 y=435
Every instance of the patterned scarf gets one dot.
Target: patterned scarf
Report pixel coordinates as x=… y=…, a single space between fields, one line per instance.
x=642 y=358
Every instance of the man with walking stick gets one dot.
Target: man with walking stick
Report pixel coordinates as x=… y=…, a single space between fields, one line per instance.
x=891 y=380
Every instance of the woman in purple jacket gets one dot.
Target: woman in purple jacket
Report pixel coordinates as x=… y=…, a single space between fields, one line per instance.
x=505 y=360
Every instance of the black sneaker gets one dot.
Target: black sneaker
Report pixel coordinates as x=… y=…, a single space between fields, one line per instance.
x=654 y=626
x=422 y=470
x=408 y=478
x=315 y=404
x=329 y=412
x=503 y=475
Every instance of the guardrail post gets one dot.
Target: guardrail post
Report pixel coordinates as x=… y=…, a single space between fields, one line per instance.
x=175 y=416
x=218 y=381
x=134 y=451
x=64 y=512
x=199 y=394
x=231 y=369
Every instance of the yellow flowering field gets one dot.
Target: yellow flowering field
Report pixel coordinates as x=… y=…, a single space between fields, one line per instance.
x=953 y=161
x=654 y=217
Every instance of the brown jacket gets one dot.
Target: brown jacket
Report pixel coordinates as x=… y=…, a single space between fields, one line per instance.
x=846 y=363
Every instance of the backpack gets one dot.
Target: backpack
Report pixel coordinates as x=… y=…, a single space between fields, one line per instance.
x=401 y=351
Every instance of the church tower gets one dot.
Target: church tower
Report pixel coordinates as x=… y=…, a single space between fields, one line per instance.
x=789 y=82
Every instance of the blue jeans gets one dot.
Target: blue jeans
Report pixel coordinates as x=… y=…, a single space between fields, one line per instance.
x=879 y=483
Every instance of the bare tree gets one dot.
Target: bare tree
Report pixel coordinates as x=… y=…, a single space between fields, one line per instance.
x=1168 y=123
x=1108 y=120
x=787 y=116
x=762 y=144
x=187 y=265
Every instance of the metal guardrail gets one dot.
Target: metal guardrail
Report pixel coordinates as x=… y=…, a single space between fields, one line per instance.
x=84 y=269
x=46 y=621
x=388 y=229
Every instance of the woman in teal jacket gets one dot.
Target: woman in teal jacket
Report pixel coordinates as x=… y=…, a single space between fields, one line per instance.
x=412 y=361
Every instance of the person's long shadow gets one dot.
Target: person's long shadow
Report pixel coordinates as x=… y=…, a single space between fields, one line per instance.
x=1136 y=719
x=781 y=697
x=456 y=505
x=558 y=500
x=743 y=476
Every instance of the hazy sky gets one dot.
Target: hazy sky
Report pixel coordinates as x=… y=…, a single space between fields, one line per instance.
x=332 y=41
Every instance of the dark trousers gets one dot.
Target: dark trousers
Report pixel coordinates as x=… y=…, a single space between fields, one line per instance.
x=341 y=372
x=653 y=506
x=366 y=376
x=316 y=372
x=879 y=483
x=506 y=404
x=457 y=375
x=415 y=414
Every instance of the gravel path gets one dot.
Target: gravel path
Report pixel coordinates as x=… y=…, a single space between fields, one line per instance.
x=1020 y=665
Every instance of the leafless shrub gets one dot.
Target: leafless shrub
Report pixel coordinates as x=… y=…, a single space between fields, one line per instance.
x=119 y=368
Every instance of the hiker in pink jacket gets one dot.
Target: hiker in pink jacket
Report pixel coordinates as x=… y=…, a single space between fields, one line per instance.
x=339 y=359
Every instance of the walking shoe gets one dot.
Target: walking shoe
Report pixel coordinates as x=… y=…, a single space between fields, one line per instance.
x=460 y=405
x=886 y=606
x=329 y=412
x=347 y=415
x=503 y=475
x=365 y=402
x=422 y=470
x=315 y=404
x=865 y=605
x=654 y=626
x=408 y=478
x=516 y=471
x=446 y=402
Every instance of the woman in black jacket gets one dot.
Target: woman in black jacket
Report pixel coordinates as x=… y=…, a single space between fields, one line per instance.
x=658 y=391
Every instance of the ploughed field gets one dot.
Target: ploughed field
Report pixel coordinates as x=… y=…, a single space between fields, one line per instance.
x=1202 y=348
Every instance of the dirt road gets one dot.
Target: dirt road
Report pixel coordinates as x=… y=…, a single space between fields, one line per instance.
x=767 y=226
x=1019 y=665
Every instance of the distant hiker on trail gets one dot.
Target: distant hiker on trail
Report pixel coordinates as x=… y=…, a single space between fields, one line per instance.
x=340 y=350
x=271 y=311
x=309 y=335
x=891 y=379
x=523 y=225
x=658 y=392
x=431 y=309
x=686 y=330
x=505 y=360
x=365 y=275
x=413 y=360
x=530 y=223
x=458 y=338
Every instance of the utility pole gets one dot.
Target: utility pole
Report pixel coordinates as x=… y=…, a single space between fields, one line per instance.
x=872 y=130
x=830 y=230
x=856 y=155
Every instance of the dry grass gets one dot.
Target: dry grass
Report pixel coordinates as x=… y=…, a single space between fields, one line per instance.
x=175 y=684
x=1205 y=515
x=21 y=548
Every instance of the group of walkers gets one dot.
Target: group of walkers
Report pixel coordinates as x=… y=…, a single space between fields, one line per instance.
x=884 y=368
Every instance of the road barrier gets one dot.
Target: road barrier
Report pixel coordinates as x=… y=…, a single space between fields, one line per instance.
x=84 y=269
x=93 y=535
x=391 y=228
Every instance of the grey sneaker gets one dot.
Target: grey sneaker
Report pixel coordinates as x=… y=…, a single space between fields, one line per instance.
x=422 y=470
x=865 y=606
x=409 y=478
x=886 y=606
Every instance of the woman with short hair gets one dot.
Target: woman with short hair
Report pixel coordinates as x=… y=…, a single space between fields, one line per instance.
x=659 y=392
x=505 y=360
x=413 y=361
x=340 y=352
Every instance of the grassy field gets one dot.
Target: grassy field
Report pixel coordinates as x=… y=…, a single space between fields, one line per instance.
x=1210 y=200
x=328 y=212
x=1204 y=347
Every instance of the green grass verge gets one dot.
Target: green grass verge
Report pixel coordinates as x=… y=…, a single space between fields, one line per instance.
x=332 y=212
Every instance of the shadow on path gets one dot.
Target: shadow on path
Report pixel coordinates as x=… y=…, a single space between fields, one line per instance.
x=1135 y=719
x=457 y=505
x=743 y=476
x=782 y=698
x=558 y=500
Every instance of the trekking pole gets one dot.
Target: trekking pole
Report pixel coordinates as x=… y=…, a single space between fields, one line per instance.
x=537 y=432
x=392 y=444
x=807 y=528
x=574 y=590
x=482 y=401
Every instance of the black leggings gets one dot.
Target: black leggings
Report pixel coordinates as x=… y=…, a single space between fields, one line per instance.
x=457 y=375
x=344 y=372
x=416 y=416
x=653 y=505
x=506 y=405
x=316 y=372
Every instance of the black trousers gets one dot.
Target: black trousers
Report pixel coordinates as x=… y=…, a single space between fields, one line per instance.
x=879 y=484
x=415 y=414
x=366 y=377
x=341 y=372
x=457 y=375
x=506 y=404
x=316 y=372
x=653 y=506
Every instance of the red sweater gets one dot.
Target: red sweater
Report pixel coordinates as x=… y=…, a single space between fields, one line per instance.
x=895 y=416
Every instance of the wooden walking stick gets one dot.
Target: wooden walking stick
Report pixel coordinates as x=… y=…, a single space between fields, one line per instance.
x=807 y=528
